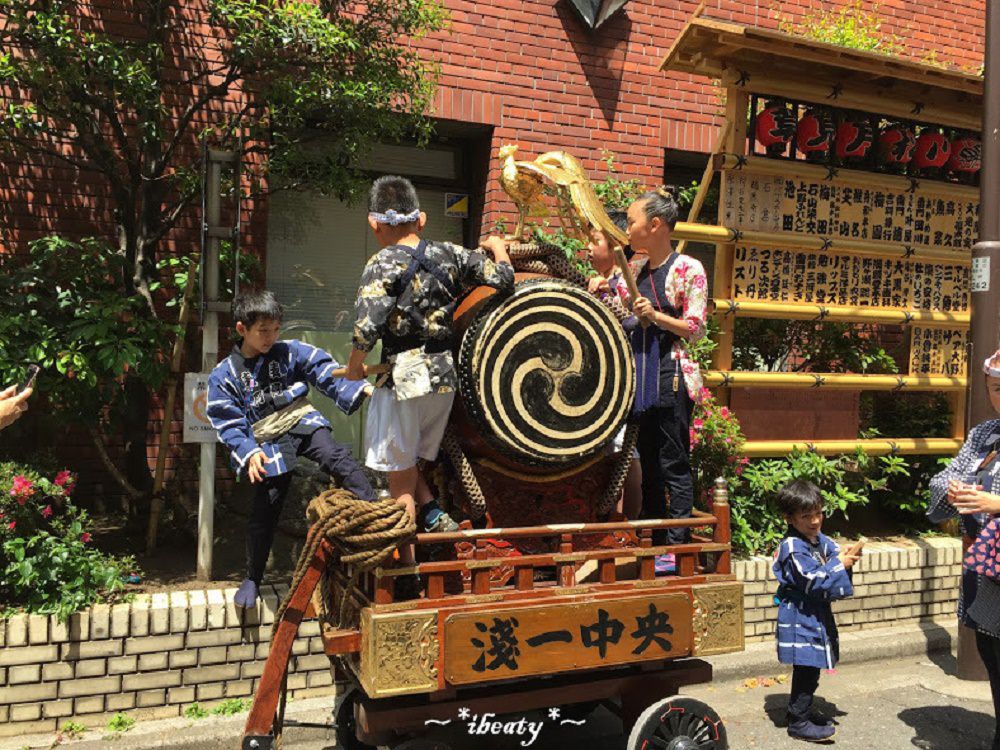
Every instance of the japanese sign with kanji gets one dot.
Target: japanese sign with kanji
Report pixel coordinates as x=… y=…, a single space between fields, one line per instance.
x=848 y=208
x=506 y=643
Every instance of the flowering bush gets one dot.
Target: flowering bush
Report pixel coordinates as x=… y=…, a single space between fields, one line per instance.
x=47 y=562
x=716 y=444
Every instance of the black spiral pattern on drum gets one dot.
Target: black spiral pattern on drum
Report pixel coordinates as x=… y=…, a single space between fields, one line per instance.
x=547 y=373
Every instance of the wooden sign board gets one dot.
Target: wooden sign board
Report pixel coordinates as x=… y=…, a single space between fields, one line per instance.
x=848 y=209
x=939 y=351
x=804 y=277
x=504 y=643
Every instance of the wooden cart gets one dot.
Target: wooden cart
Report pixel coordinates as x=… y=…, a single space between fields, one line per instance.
x=605 y=631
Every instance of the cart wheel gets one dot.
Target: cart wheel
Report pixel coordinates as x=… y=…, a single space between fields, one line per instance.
x=678 y=723
x=347 y=736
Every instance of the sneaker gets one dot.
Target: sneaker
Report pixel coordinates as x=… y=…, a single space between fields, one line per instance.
x=810 y=732
x=442 y=524
x=407 y=587
x=246 y=597
x=665 y=565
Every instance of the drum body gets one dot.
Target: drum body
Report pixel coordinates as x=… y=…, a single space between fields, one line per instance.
x=546 y=376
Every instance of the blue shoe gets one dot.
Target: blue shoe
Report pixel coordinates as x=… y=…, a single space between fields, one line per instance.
x=665 y=565
x=246 y=597
x=806 y=730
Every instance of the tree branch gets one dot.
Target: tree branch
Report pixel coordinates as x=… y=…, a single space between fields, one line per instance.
x=114 y=471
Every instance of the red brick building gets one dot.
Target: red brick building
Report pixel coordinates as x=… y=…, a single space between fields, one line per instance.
x=513 y=71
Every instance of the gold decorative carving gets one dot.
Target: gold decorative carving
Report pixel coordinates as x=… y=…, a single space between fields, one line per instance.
x=718 y=618
x=399 y=653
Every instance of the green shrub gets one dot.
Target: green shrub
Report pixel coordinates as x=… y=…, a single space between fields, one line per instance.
x=195 y=711
x=847 y=26
x=48 y=563
x=844 y=481
x=716 y=444
x=120 y=723
x=232 y=706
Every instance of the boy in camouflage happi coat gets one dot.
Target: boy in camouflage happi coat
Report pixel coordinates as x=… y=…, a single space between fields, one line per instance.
x=406 y=299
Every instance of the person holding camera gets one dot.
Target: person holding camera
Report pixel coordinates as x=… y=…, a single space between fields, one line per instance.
x=13 y=404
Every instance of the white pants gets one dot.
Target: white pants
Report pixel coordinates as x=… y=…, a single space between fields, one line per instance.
x=397 y=433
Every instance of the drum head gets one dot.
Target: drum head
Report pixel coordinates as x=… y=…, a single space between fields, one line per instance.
x=547 y=374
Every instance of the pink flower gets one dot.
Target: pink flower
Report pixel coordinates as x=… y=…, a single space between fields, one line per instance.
x=11 y=525
x=699 y=423
x=22 y=487
x=85 y=537
x=724 y=411
x=47 y=513
x=729 y=440
x=745 y=460
x=63 y=478
x=739 y=470
x=705 y=393
x=692 y=435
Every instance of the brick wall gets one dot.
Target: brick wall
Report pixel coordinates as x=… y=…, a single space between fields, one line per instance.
x=150 y=659
x=893 y=585
x=162 y=652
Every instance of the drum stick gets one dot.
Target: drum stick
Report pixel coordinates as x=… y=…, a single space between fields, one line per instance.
x=627 y=276
x=341 y=372
x=629 y=279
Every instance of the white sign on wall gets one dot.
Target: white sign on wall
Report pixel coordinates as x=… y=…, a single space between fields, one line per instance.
x=981 y=274
x=197 y=428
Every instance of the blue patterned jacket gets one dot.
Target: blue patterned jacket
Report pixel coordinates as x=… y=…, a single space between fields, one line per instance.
x=242 y=391
x=810 y=576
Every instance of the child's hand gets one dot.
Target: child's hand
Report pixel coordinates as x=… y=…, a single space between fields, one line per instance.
x=970 y=500
x=853 y=554
x=255 y=467
x=598 y=285
x=643 y=310
x=368 y=390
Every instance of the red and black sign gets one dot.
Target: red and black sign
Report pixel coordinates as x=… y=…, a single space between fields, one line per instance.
x=854 y=138
x=775 y=126
x=966 y=154
x=895 y=144
x=814 y=134
x=932 y=151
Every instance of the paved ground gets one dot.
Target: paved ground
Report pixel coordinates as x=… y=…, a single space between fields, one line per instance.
x=897 y=704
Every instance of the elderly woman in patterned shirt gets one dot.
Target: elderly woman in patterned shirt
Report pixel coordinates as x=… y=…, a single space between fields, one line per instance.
x=969 y=488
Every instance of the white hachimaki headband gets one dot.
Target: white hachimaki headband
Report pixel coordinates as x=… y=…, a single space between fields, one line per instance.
x=993 y=372
x=393 y=218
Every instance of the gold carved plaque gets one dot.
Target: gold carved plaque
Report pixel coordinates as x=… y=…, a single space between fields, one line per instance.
x=718 y=618
x=498 y=644
x=399 y=653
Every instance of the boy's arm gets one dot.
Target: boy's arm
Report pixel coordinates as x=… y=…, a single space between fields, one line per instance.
x=228 y=418
x=825 y=582
x=374 y=303
x=477 y=269
x=317 y=366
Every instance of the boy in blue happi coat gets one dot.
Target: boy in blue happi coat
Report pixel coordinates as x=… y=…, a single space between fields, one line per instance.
x=810 y=575
x=257 y=403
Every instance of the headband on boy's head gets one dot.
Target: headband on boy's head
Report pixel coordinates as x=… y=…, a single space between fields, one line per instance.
x=993 y=372
x=393 y=218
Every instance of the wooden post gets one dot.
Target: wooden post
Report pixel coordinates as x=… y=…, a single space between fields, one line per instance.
x=647 y=565
x=722 y=533
x=567 y=570
x=737 y=104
